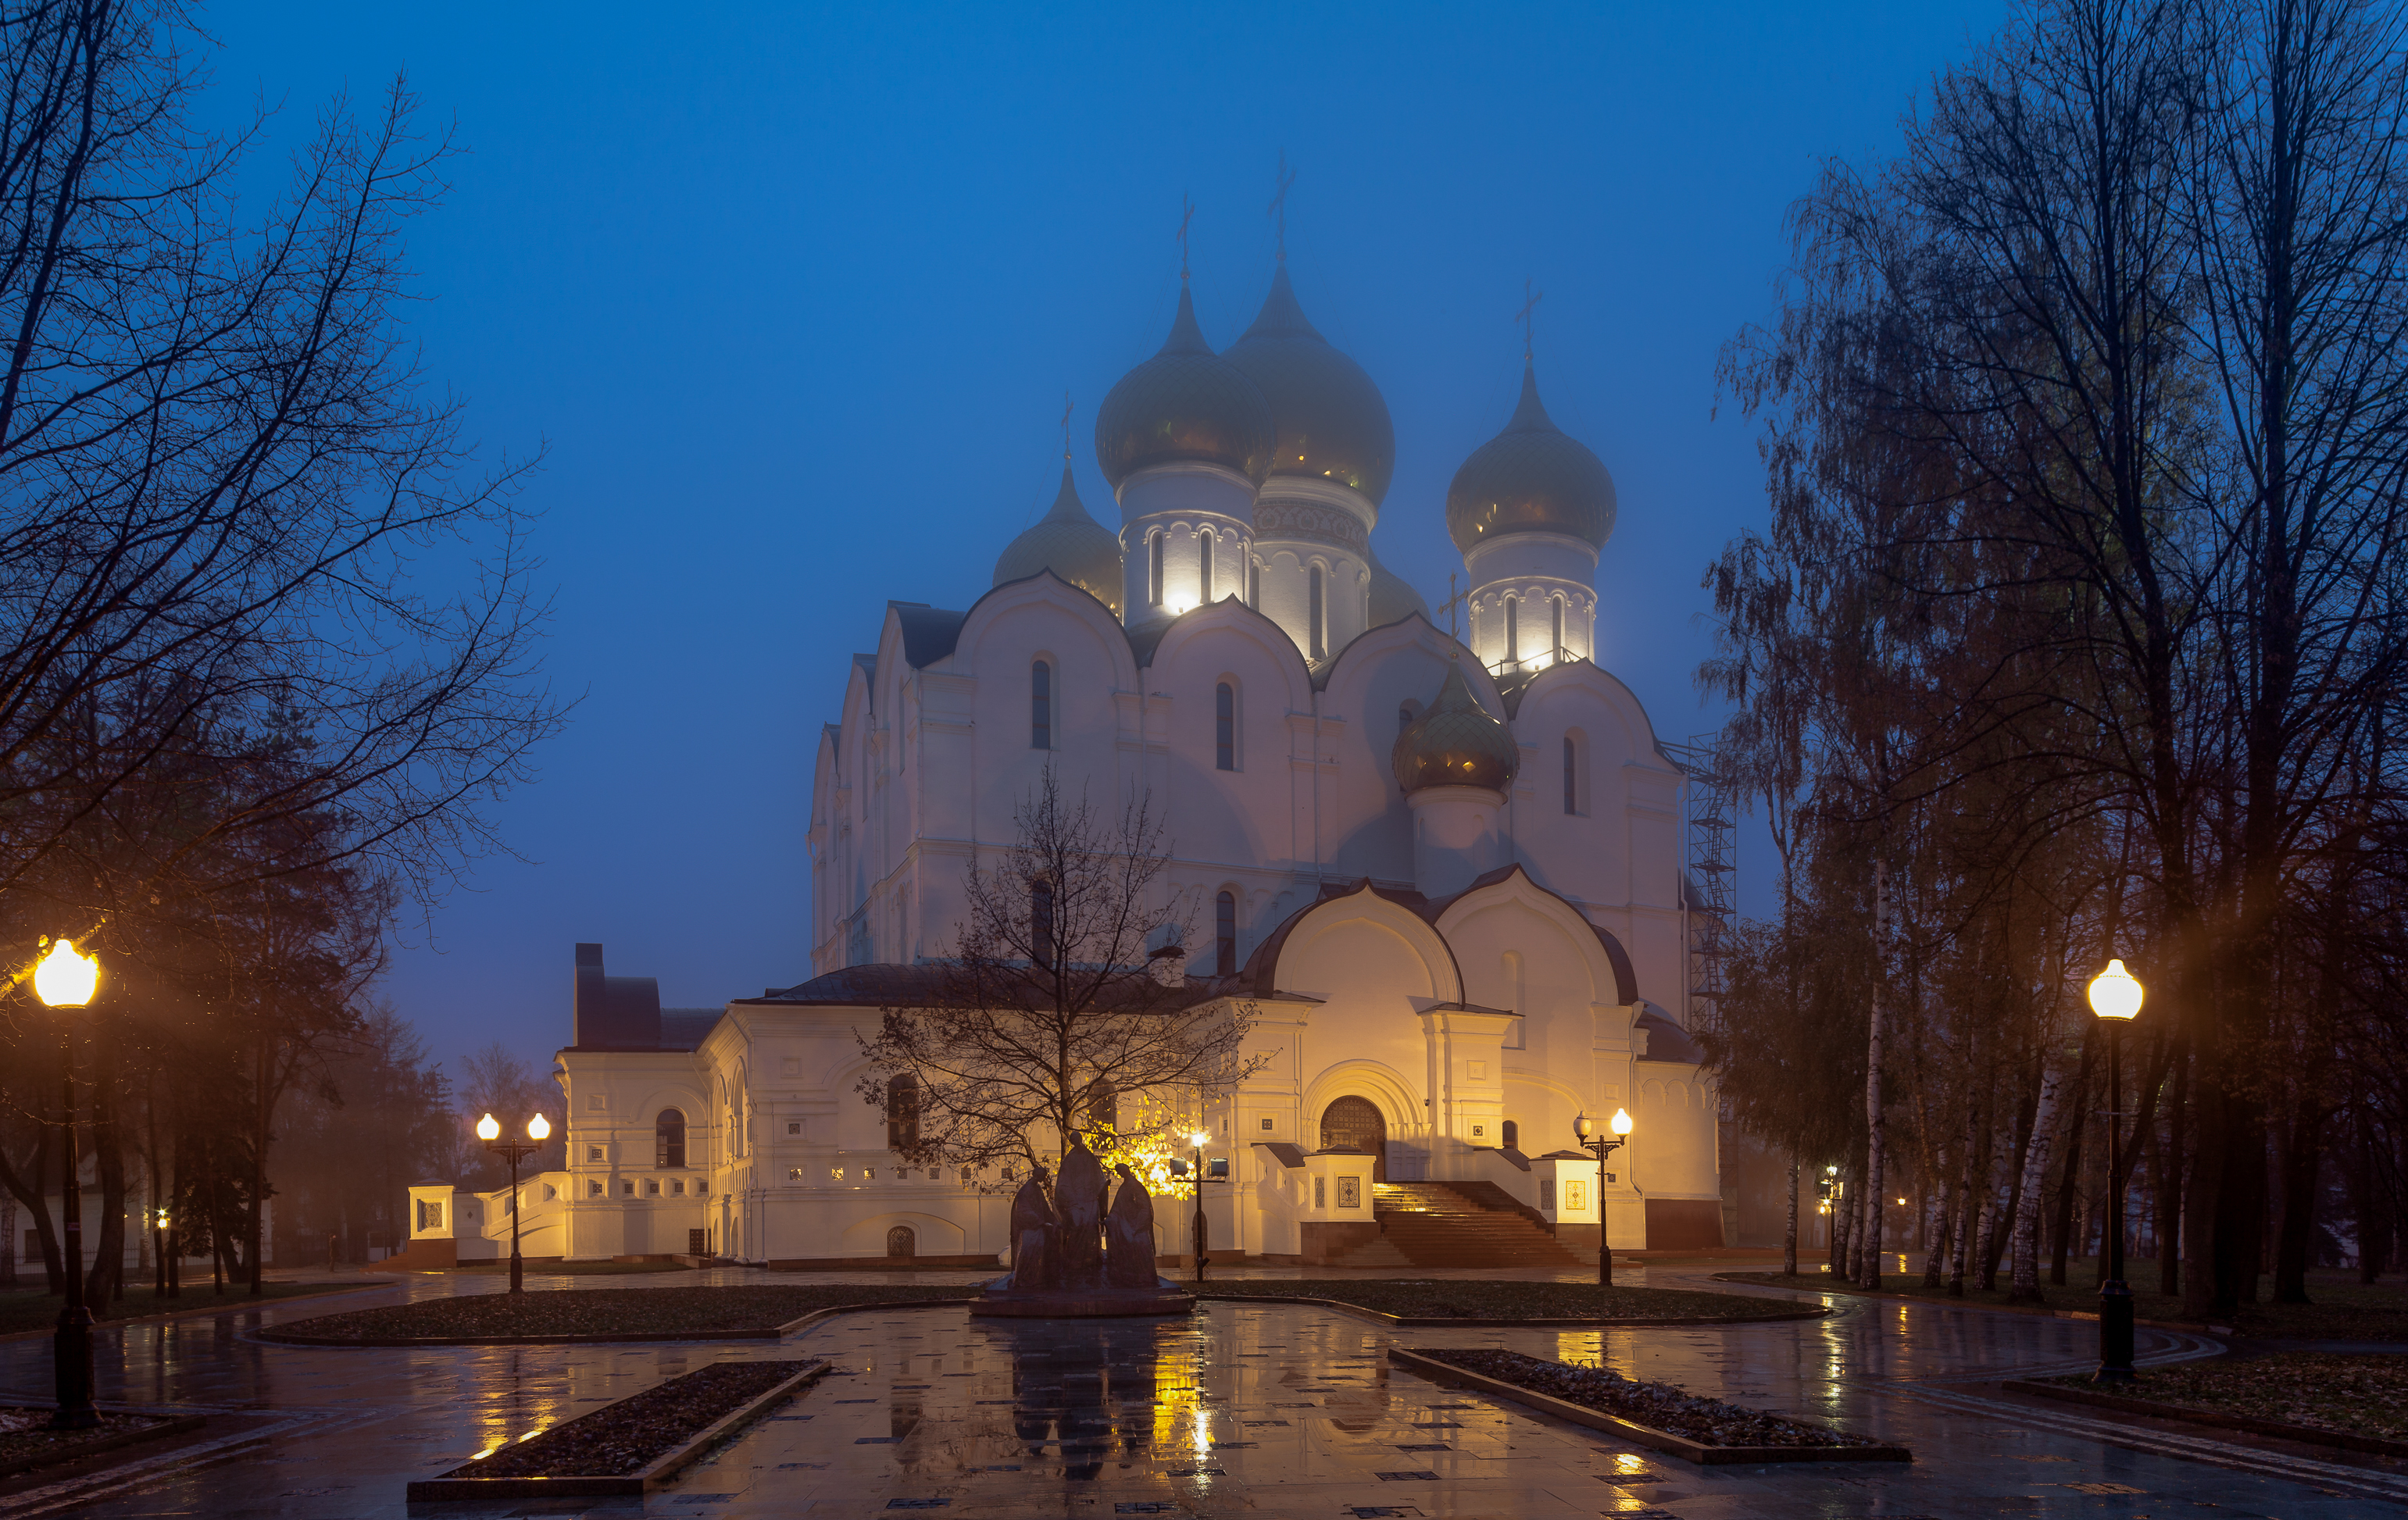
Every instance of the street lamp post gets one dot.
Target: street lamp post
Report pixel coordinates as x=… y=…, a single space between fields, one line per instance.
x=514 y=1151
x=1591 y=1141
x=64 y=980
x=1196 y=1226
x=2115 y=996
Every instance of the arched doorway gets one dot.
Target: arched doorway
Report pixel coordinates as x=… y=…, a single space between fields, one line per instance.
x=902 y=1240
x=1355 y=1123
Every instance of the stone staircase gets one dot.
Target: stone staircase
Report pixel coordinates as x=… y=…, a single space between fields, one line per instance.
x=1437 y=1224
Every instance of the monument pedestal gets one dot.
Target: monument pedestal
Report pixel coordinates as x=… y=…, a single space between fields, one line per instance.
x=1081 y=1302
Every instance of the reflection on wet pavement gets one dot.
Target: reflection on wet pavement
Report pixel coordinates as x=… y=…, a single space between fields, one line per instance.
x=1243 y=1409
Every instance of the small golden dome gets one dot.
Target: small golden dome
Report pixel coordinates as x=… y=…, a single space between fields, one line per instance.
x=1455 y=744
x=1332 y=422
x=1186 y=402
x=1530 y=479
x=1069 y=543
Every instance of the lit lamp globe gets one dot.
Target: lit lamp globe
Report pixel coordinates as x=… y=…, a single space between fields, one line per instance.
x=1200 y=1139
x=2115 y=993
x=538 y=1127
x=1622 y=1121
x=65 y=979
x=489 y=1127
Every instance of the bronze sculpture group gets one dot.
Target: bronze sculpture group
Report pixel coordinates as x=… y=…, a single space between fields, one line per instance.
x=1069 y=1247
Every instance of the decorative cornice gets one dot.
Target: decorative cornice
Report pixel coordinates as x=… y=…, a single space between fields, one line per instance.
x=1288 y=521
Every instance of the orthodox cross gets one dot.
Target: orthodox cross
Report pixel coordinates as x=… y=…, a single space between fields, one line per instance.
x=1528 y=316
x=1285 y=178
x=1066 y=427
x=1453 y=600
x=1186 y=215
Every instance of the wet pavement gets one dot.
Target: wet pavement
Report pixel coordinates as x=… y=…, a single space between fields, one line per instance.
x=1243 y=1409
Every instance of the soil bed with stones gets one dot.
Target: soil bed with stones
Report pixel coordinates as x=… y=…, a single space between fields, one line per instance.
x=2352 y=1395
x=1659 y=1406
x=26 y=1439
x=1464 y=1298
x=633 y=1432
x=604 y=1311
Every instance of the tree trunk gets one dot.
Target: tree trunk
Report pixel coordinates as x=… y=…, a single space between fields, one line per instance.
x=2025 y=1248
x=1876 y=1124
x=2303 y=1164
x=1789 y=1228
x=1943 y=1228
x=2361 y=1196
x=2170 y=1157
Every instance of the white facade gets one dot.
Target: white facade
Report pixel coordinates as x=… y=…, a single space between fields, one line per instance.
x=1480 y=964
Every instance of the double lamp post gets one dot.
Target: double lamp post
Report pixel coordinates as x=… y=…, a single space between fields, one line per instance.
x=2115 y=996
x=1594 y=1142
x=488 y=1130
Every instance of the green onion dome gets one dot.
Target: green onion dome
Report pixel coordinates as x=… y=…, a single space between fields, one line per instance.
x=1455 y=744
x=1186 y=402
x=1332 y=422
x=1069 y=543
x=1530 y=479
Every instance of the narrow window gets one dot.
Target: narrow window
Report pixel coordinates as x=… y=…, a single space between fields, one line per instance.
x=1571 y=776
x=1312 y=610
x=1224 y=930
x=1512 y=628
x=1556 y=605
x=1225 y=727
x=902 y=1112
x=1154 y=569
x=1041 y=706
x=1511 y=1133
x=668 y=1138
x=1040 y=924
x=1204 y=565
x=1255 y=584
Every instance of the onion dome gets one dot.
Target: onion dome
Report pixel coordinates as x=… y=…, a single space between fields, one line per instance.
x=1393 y=599
x=1455 y=744
x=1183 y=403
x=1332 y=422
x=1069 y=543
x=1530 y=479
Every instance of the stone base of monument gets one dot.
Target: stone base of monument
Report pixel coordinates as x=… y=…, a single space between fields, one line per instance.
x=1083 y=1303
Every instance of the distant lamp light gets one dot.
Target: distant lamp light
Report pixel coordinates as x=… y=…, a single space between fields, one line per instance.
x=65 y=979
x=489 y=1127
x=1622 y=1121
x=538 y=1128
x=1199 y=1137
x=2115 y=993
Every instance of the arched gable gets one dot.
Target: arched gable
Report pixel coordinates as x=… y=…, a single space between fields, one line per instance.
x=1305 y=947
x=1566 y=696
x=1197 y=645
x=1611 y=975
x=1349 y=679
x=1098 y=634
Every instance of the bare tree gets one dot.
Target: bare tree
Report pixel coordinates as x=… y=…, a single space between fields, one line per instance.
x=1054 y=1019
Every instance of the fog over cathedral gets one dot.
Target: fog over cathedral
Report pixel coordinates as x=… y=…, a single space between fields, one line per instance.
x=1441 y=874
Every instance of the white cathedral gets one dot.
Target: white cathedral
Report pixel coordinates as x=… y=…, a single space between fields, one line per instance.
x=1444 y=877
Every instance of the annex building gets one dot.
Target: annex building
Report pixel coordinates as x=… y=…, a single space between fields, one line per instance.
x=1446 y=874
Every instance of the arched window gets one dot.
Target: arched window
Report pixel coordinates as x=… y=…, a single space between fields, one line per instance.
x=1512 y=1135
x=902 y=1112
x=1040 y=924
x=1312 y=600
x=668 y=1138
x=1225 y=727
x=1512 y=628
x=1204 y=566
x=1224 y=930
x=1571 y=775
x=1154 y=569
x=1041 y=706
x=1255 y=583
x=1555 y=606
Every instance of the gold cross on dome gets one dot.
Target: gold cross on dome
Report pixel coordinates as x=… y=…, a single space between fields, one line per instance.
x=1066 y=427
x=1528 y=316
x=1285 y=178
x=1186 y=215
x=1454 y=601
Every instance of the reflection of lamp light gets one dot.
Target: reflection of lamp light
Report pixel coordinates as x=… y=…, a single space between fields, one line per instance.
x=489 y=1129
x=65 y=979
x=538 y=1128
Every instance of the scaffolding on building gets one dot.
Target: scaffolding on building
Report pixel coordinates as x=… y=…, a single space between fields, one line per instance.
x=1709 y=886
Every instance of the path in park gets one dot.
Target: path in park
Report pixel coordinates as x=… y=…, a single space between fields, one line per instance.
x=1256 y=1409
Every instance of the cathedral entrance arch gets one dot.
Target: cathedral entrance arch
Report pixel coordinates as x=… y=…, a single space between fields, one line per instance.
x=1355 y=1123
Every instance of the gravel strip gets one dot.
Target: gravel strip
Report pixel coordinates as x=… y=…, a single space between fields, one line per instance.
x=1657 y=1405
x=24 y=1432
x=2357 y=1394
x=620 y=1438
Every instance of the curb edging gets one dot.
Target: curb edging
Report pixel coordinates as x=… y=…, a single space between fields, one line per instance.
x=180 y=1425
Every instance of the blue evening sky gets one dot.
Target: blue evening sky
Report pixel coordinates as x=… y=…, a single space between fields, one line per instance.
x=792 y=295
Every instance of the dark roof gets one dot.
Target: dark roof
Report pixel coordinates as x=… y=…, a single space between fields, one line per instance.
x=888 y=985
x=1289 y=1156
x=683 y=1028
x=929 y=634
x=1669 y=1042
x=1261 y=966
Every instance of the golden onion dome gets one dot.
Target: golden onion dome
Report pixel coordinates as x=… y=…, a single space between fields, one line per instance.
x=1332 y=422
x=1455 y=744
x=1186 y=402
x=1069 y=543
x=1393 y=599
x=1530 y=479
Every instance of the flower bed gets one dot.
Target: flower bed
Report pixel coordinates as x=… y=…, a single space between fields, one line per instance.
x=26 y=1439
x=621 y=1438
x=2354 y=1395
x=1656 y=1406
